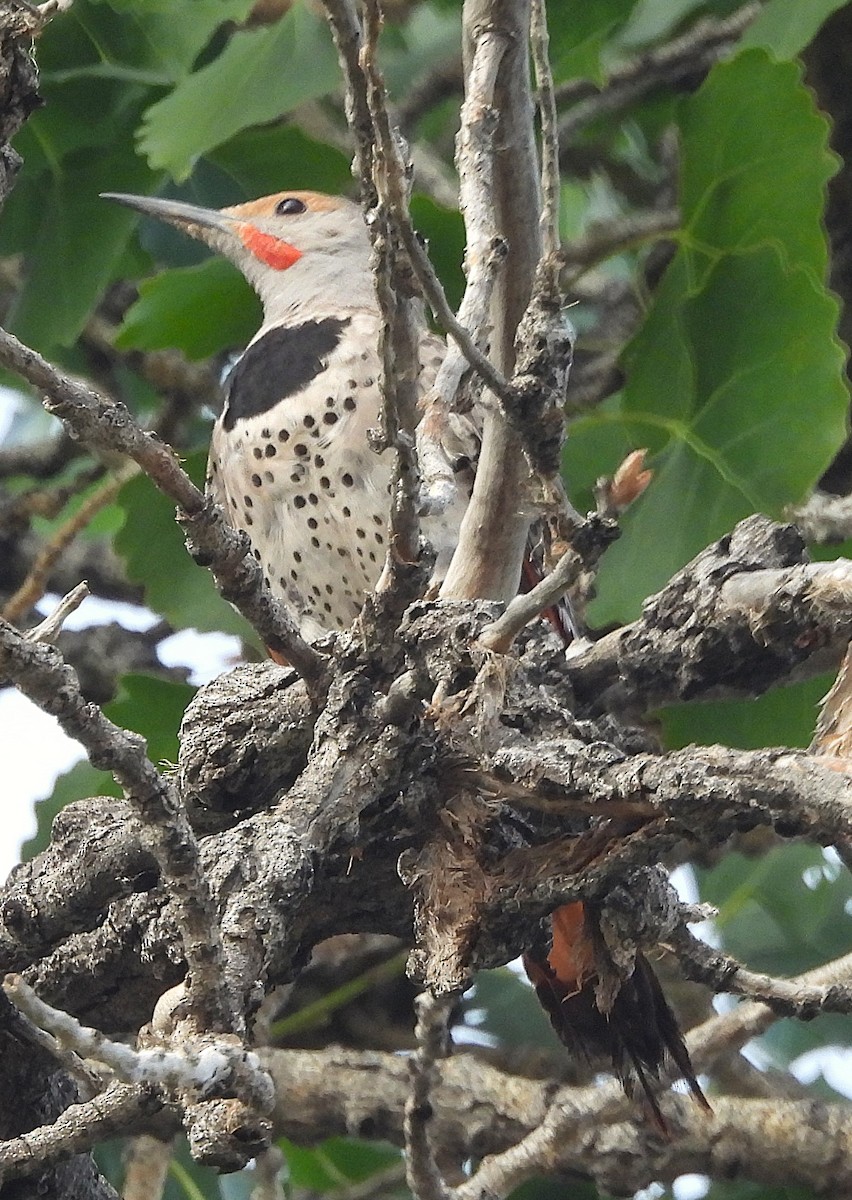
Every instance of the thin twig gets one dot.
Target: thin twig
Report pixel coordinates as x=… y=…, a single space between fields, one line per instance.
x=499 y=635
x=104 y=425
x=48 y=629
x=551 y=182
x=683 y=57
x=401 y=332
x=35 y=585
x=422 y=1173
x=722 y=972
x=77 y=1129
x=608 y=238
x=347 y=32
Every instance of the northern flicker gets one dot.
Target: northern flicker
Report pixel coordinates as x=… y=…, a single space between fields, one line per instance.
x=291 y=465
x=289 y=458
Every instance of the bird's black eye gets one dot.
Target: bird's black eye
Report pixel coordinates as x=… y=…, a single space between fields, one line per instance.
x=289 y=206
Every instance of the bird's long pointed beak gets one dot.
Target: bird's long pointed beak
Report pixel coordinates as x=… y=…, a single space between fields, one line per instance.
x=189 y=217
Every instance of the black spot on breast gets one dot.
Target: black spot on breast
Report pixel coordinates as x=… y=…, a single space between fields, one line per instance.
x=278 y=365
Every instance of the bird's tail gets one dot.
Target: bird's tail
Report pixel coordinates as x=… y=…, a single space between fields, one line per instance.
x=638 y=1033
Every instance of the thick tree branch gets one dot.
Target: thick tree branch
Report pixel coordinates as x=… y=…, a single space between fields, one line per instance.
x=748 y=613
x=78 y=1128
x=42 y=675
x=487 y=561
x=480 y=1111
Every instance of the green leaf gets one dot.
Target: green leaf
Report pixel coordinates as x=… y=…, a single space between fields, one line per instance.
x=125 y=40
x=425 y=39
x=784 y=912
x=153 y=708
x=512 y=1012
x=755 y=163
x=782 y=717
x=555 y=1189
x=752 y=415
x=755 y=1191
x=787 y=1039
x=79 y=783
x=736 y=381
x=785 y=27
x=79 y=240
x=279 y=157
x=166 y=313
x=652 y=20
x=444 y=232
x=260 y=75
x=335 y=1162
x=149 y=706
x=154 y=554
x=578 y=36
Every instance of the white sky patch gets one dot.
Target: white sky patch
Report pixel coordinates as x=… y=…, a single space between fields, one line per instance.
x=207 y=654
x=34 y=751
x=685 y=883
x=96 y=611
x=833 y=1063
x=652 y=1192
x=690 y=1187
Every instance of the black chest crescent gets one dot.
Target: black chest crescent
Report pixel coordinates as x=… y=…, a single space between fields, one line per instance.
x=278 y=365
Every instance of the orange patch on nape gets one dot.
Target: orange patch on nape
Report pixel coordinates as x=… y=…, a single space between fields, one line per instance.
x=273 y=251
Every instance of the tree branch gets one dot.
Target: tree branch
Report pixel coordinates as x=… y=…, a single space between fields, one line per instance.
x=487 y=561
x=746 y=614
x=687 y=55
x=432 y=1031
x=103 y=425
x=42 y=675
x=785 y=997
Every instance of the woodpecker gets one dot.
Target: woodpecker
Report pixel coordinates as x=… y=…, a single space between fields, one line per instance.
x=291 y=465
x=290 y=461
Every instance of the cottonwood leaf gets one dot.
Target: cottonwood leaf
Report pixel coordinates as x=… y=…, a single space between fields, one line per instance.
x=78 y=243
x=260 y=75
x=166 y=313
x=736 y=381
x=152 y=547
x=786 y=26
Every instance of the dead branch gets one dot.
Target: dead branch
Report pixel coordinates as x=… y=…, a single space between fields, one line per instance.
x=745 y=615
x=686 y=56
x=40 y=672
x=487 y=561
x=104 y=425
